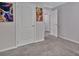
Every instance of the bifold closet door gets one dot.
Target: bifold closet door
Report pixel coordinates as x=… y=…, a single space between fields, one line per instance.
x=25 y=25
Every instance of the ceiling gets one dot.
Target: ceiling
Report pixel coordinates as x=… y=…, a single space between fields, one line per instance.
x=49 y=4
x=52 y=4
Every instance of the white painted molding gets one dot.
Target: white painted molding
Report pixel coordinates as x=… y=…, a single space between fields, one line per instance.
x=20 y=45
x=53 y=35
x=65 y=38
x=3 y=50
x=30 y=43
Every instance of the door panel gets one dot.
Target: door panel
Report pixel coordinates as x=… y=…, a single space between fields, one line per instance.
x=27 y=30
x=54 y=23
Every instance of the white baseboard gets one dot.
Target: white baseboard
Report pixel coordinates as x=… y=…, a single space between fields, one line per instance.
x=3 y=50
x=39 y=40
x=30 y=42
x=53 y=35
x=20 y=45
x=65 y=38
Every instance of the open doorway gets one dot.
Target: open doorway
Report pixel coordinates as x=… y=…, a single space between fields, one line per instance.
x=46 y=22
x=50 y=22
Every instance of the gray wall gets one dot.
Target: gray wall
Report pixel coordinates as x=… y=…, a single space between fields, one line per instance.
x=7 y=34
x=8 y=31
x=68 y=17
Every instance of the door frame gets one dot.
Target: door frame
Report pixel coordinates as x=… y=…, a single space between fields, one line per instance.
x=19 y=28
x=54 y=24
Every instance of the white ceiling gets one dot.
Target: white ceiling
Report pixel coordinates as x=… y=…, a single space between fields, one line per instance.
x=52 y=4
x=48 y=4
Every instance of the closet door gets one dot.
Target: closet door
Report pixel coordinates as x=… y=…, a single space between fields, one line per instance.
x=25 y=25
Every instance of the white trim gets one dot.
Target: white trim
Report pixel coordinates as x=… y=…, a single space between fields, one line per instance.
x=53 y=35
x=30 y=43
x=7 y=49
x=65 y=38
x=20 y=45
x=39 y=40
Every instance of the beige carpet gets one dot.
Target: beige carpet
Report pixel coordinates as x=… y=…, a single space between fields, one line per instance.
x=52 y=46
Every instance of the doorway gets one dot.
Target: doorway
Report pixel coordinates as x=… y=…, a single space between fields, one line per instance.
x=50 y=22
x=46 y=22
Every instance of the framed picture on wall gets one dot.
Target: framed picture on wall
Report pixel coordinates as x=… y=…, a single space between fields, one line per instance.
x=6 y=12
x=39 y=14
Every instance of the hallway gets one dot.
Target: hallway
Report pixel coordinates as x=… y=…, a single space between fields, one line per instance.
x=52 y=46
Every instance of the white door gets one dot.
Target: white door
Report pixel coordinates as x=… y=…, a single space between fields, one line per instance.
x=54 y=23
x=46 y=22
x=25 y=25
